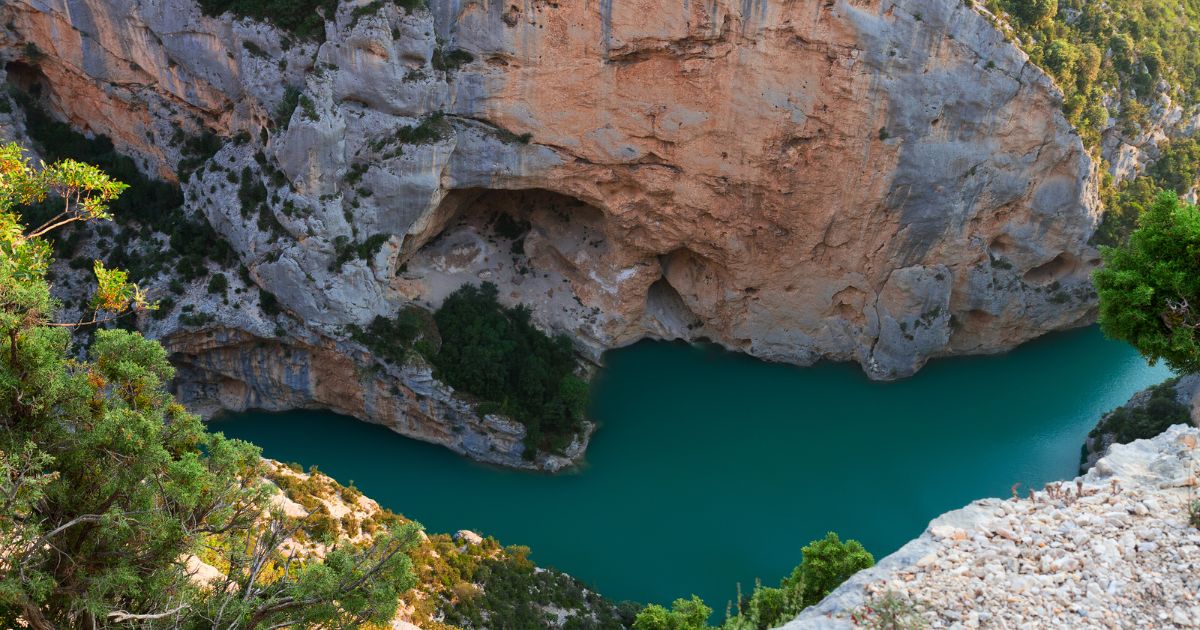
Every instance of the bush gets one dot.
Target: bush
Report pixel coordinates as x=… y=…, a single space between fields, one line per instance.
x=269 y=303
x=1139 y=422
x=826 y=564
x=497 y=355
x=218 y=283
x=685 y=614
x=303 y=18
x=391 y=339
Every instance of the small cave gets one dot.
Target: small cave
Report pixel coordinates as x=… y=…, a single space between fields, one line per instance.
x=25 y=77
x=538 y=246
x=667 y=315
x=1049 y=272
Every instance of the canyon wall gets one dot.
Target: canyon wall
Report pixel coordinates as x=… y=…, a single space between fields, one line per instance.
x=876 y=181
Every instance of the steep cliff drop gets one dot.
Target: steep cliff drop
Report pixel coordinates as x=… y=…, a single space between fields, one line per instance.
x=882 y=182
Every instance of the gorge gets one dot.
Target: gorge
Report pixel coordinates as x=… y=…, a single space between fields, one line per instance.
x=827 y=265
x=711 y=469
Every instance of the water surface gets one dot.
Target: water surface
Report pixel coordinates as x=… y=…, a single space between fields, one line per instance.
x=712 y=468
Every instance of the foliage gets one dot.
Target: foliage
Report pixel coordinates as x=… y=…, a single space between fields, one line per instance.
x=218 y=284
x=685 y=614
x=1150 y=288
x=501 y=588
x=287 y=105
x=1120 y=48
x=391 y=339
x=450 y=60
x=345 y=251
x=269 y=303
x=149 y=203
x=1177 y=169
x=826 y=564
x=499 y=356
x=108 y=485
x=303 y=18
x=1136 y=422
x=432 y=128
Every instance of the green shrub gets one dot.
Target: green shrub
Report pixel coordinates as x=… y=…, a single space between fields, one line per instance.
x=449 y=61
x=218 y=284
x=286 y=106
x=685 y=614
x=1150 y=288
x=826 y=564
x=497 y=355
x=391 y=339
x=149 y=203
x=1130 y=422
x=303 y=18
x=269 y=303
x=432 y=128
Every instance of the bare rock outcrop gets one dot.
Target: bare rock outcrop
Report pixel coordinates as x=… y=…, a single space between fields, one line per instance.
x=1116 y=548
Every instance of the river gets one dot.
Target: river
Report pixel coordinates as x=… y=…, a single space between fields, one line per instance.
x=712 y=468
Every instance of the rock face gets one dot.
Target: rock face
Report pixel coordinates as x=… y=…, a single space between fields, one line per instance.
x=223 y=369
x=876 y=181
x=1113 y=549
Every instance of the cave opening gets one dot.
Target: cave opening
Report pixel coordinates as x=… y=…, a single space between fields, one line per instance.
x=538 y=246
x=25 y=77
x=667 y=313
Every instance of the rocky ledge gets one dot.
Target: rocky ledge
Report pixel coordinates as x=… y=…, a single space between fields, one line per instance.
x=1113 y=548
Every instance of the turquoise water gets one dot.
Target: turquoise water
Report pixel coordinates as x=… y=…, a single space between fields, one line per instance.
x=712 y=468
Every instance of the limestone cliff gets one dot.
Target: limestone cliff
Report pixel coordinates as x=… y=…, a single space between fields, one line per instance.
x=877 y=181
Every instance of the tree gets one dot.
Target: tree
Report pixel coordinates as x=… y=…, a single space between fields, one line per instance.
x=826 y=564
x=1034 y=12
x=107 y=485
x=685 y=614
x=1150 y=287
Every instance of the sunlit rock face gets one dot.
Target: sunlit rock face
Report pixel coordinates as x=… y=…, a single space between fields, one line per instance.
x=882 y=182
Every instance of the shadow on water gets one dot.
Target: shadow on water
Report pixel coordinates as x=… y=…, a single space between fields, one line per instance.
x=713 y=468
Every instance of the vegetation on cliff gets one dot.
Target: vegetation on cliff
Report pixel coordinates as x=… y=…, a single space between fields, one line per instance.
x=1113 y=60
x=1146 y=415
x=494 y=354
x=1121 y=49
x=498 y=355
x=107 y=486
x=825 y=564
x=149 y=206
x=1177 y=170
x=303 y=18
x=463 y=581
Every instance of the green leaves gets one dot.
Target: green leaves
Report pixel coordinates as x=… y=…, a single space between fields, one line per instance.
x=1150 y=288
x=114 y=292
x=498 y=355
x=107 y=485
x=826 y=564
x=685 y=614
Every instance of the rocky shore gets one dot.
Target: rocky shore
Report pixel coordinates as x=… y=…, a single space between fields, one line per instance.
x=1115 y=548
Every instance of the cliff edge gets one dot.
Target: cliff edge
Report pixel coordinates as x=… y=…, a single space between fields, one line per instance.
x=1117 y=547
